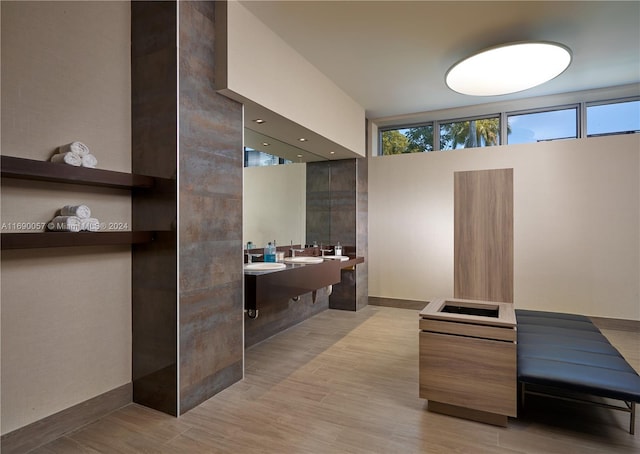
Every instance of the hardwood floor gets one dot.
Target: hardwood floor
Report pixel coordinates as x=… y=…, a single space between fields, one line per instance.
x=347 y=382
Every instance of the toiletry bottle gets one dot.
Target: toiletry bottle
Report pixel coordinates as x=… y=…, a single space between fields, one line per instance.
x=270 y=253
x=338 y=249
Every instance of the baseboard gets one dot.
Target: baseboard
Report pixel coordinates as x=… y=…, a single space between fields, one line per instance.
x=616 y=324
x=48 y=429
x=399 y=303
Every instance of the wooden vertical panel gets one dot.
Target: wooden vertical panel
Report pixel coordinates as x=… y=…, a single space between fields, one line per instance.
x=154 y=153
x=483 y=235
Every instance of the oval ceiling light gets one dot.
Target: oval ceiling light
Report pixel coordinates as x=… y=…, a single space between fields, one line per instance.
x=508 y=68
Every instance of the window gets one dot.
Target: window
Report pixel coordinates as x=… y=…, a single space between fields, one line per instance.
x=541 y=126
x=613 y=118
x=415 y=139
x=482 y=132
x=582 y=119
x=255 y=158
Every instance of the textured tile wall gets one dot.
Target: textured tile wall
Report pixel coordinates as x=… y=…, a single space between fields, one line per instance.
x=206 y=292
x=337 y=211
x=211 y=160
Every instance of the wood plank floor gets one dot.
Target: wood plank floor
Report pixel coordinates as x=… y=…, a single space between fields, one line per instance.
x=347 y=382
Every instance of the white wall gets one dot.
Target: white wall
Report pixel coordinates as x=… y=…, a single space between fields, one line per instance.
x=66 y=313
x=576 y=223
x=263 y=68
x=274 y=204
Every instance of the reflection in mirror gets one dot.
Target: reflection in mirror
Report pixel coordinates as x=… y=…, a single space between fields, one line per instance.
x=275 y=191
x=274 y=204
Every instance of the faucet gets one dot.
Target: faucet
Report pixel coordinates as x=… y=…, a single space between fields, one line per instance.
x=293 y=251
x=249 y=256
x=322 y=250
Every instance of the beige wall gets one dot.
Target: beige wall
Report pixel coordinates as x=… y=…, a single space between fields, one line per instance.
x=274 y=204
x=263 y=68
x=576 y=223
x=66 y=323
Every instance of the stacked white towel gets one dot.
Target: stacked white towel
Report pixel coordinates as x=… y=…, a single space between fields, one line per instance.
x=67 y=158
x=74 y=218
x=90 y=224
x=77 y=148
x=65 y=224
x=82 y=211
x=75 y=154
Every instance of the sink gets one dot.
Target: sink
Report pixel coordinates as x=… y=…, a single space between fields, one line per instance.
x=342 y=258
x=264 y=266
x=304 y=260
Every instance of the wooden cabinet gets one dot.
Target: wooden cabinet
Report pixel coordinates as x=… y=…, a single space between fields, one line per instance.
x=468 y=361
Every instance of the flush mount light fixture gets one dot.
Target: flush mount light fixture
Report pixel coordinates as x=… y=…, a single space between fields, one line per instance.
x=508 y=68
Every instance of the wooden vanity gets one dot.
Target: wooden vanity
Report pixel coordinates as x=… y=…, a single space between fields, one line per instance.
x=272 y=287
x=468 y=363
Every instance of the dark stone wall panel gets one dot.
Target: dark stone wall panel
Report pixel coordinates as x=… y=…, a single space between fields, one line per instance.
x=207 y=265
x=201 y=317
x=153 y=152
x=210 y=191
x=204 y=217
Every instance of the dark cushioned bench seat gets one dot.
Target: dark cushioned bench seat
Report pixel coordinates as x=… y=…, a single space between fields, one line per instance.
x=568 y=352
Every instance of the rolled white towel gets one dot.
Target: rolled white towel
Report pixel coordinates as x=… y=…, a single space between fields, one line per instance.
x=81 y=211
x=74 y=147
x=90 y=224
x=65 y=224
x=67 y=158
x=90 y=161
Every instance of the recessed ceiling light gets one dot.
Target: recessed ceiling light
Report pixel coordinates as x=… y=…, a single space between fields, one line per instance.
x=266 y=144
x=302 y=139
x=259 y=121
x=299 y=155
x=508 y=68
x=332 y=152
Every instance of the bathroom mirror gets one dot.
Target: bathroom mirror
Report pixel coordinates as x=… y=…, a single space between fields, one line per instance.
x=274 y=196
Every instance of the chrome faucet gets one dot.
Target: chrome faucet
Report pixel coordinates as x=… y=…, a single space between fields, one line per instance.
x=250 y=256
x=322 y=251
x=293 y=251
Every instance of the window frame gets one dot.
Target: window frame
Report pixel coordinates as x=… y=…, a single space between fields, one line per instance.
x=576 y=106
x=403 y=126
x=606 y=103
x=580 y=106
x=437 y=123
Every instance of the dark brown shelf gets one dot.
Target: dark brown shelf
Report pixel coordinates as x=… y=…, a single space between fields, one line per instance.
x=34 y=240
x=30 y=169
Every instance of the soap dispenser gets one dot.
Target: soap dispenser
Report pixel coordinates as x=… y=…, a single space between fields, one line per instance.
x=270 y=253
x=338 y=249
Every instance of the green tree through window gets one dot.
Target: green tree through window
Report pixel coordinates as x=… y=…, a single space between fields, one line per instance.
x=470 y=134
x=407 y=140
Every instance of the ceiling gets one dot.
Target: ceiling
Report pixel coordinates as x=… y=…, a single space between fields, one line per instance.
x=391 y=56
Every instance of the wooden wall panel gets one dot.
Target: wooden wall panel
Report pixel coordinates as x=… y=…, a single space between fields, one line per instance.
x=483 y=235
x=154 y=152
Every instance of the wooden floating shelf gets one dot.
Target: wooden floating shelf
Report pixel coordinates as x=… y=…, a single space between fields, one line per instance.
x=30 y=169
x=34 y=240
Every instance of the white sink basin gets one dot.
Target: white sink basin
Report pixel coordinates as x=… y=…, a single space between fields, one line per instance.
x=342 y=258
x=264 y=266
x=304 y=260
